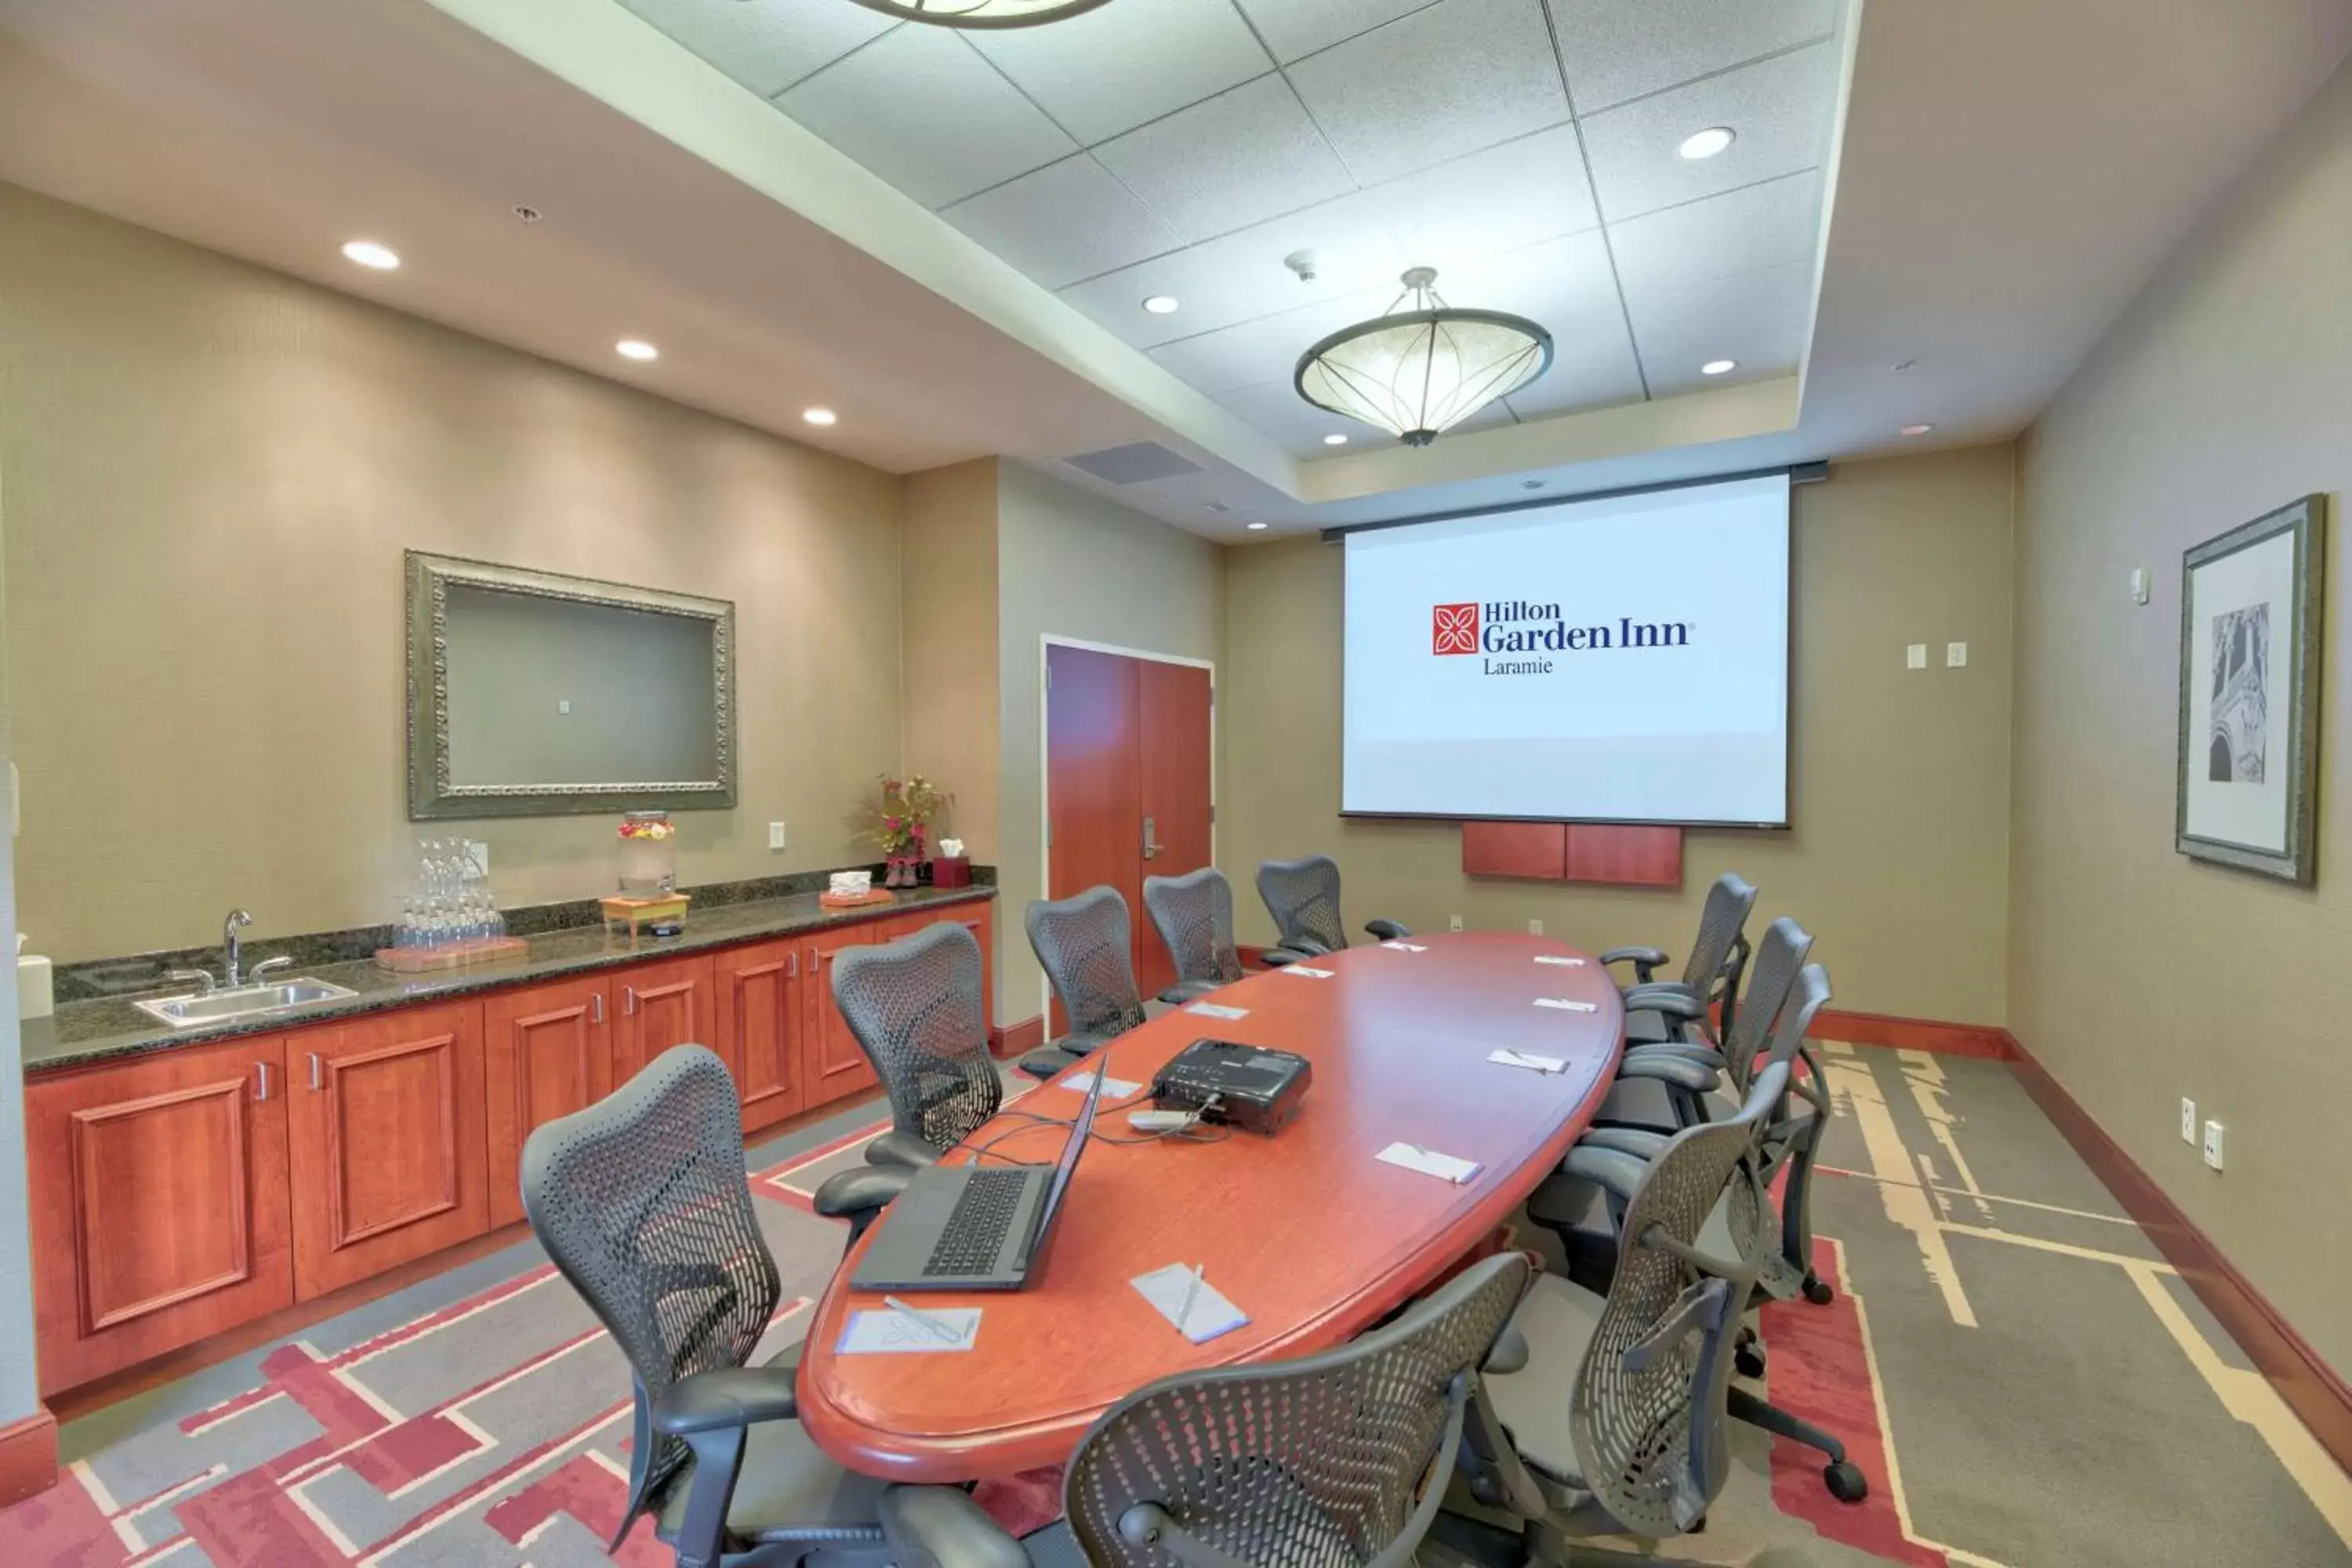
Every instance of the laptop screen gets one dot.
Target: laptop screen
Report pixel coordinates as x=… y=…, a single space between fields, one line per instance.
x=1080 y=1131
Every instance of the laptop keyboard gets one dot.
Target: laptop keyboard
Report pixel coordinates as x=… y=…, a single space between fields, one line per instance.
x=974 y=1234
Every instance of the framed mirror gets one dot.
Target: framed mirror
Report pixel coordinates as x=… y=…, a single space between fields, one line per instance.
x=535 y=694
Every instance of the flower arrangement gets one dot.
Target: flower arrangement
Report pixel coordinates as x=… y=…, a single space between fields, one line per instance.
x=903 y=822
x=632 y=828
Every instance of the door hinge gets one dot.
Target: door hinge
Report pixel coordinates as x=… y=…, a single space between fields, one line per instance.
x=1213 y=814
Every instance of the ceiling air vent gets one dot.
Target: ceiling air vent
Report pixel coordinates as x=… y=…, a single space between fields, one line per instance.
x=1133 y=464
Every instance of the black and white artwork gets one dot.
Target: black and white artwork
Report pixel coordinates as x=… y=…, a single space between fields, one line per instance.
x=2250 y=627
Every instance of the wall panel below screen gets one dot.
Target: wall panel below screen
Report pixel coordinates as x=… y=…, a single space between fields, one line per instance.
x=1608 y=853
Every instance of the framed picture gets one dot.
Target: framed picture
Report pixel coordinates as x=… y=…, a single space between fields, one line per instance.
x=2250 y=621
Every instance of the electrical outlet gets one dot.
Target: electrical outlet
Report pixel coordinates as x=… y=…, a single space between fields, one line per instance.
x=775 y=836
x=2188 y=1120
x=1916 y=656
x=1955 y=656
x=1534 y=928
x=1454 y=922
x=563 y=706
x=2213 y=1145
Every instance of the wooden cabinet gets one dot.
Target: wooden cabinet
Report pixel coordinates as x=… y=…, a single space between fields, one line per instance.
x=159 y=1204
x=762 y=1019
x=547 y=1051
x=976 y=922
x=388 y=1155
x=662 y=1004
x=833 y=1063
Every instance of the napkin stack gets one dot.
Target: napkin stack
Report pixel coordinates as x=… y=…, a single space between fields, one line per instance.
x=852 y=884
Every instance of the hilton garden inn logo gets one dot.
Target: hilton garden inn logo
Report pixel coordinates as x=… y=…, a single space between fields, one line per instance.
x=1516 y=625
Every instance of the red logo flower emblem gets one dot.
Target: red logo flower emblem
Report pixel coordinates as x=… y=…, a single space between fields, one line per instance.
x=1453 y=628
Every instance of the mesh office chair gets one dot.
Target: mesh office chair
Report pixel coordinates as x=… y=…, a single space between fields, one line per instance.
x=1303 y=897
x=1086 y=945
x=1194 y=915
x=917 y=1007
x=1710 y=974
x=1667 y=1086
x=1330 y=1461
x=642 y=1200
x=1614 y=1423
x=1778 y=1243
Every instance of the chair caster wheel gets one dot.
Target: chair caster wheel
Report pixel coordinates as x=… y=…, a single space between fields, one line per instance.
x=1846 y=1482
x=1818 y=1292
x=1749 y=1361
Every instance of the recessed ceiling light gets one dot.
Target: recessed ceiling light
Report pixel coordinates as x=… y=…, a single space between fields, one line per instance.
x=1706 y=143
x=369 y=254
x=819 y=415
x=1335 y=439
x=1255 y=526
x=1916 y=429
x=1161 y=304
x=1718 y=367
x=635 y=348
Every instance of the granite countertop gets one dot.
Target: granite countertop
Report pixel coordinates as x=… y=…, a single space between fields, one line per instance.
x=83 y=1032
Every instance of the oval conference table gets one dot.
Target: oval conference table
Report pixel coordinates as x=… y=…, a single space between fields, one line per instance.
x=1306 y=1231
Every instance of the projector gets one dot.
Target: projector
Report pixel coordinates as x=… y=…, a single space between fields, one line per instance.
x=1234 y=1085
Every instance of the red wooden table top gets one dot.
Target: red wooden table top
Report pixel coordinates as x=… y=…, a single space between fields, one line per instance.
x=1306 y=1231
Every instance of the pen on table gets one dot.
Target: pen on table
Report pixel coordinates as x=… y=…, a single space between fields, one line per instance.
x=1192 y=1289
x=931 y=1325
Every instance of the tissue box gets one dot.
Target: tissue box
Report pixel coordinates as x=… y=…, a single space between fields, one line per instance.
x=951 y=872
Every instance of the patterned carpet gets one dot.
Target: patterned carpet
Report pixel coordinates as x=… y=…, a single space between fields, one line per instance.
x=2023 y=1379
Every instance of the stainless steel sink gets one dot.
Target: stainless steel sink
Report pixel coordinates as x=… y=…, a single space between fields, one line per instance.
x=212 y=1008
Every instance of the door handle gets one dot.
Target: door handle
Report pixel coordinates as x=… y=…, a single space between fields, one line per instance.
x=1150 y=847
x=314 y=1071
x=628 y=1000
x=263 y=1091
x=596 y=1006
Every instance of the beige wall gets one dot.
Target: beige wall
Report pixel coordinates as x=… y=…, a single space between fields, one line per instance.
x=1897 y=860
x=1071 y=565
x=947 y=578
x=210 y=472
x=2140 y=976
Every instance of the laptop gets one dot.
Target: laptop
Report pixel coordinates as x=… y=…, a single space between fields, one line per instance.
x=973 y=1226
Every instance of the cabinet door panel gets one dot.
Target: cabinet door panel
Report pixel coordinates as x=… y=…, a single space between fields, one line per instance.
x=159 y=1205
x=663 y=1005
x=834 y=1064
x=390 y=1158
x=546 y=1052
x=760 y=1028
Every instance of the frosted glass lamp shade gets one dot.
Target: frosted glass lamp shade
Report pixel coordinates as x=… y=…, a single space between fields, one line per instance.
x=1417 y=374
x=981 y=13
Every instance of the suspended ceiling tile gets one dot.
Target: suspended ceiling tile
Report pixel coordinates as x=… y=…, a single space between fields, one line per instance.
x=766 y=45
x=1266 y=349
x=1740 y=231
x=1113 y=69
x=1275 y=409
x=1781 y=109
x=1449 y=80
x=1064 y=222
x=1294 y=28
x=1758 y=319
x=1234 y=160
x=1615 y=50
x=922 y=109
x=1516 y=193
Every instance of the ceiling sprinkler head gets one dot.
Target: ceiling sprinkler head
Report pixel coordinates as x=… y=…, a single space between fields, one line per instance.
x=1303 y=263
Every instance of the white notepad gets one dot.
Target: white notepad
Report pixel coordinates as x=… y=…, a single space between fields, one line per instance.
x=1528 y=1060
x=1567 y=1005
x=885 y=1331
x=1430 y=1163
x=1556 y=958
x=1217 y=1010
x=1113 y=1087
x=1301 y=969
x=1404 y=947
x=1210 y=1315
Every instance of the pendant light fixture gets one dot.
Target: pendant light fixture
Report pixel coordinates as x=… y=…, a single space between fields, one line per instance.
x=1425 y=366
x=981 y=13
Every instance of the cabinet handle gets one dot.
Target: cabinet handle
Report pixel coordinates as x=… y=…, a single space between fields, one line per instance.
x=793 y=964
x=628 y=1000
x=314 y=1071
x=596 y=1007
x=263 y=1091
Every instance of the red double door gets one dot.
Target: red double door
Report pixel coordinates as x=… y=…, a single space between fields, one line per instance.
x=1127 y=782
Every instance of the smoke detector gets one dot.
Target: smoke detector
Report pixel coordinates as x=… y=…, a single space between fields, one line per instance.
x=1303 y=263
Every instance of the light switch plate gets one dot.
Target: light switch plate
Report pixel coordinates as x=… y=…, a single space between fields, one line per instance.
x=1916 y=656
x=1454 y=922
x=2213 y=1145
x=775 y=836
x=2139 y=585
x=1534 y=928
x=479 y=848
x=2188 y=1120
x=1955 y=656
x=563 y=705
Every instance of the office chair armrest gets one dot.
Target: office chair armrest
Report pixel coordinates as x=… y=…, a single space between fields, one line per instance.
x=1276 y=957
x=860 y=1192
x=1642 y=1143
x=1673 y=1071
x=1387 y=931
x=727 y=1397
x=1680 y=1050
x=1613 y=1170
x=1646 y=961
x=1305 y=947
x=941 y=1527
x=1185 y=991
x=1509 y=1354
x=1671 y=997
x=903 y=1150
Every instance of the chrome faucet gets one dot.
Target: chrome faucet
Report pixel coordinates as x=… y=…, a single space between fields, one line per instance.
x=232 y=948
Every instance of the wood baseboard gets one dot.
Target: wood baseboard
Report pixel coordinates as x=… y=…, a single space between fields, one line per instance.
x=1017 y=1040
x=28 y=1456
x=1914 y=1035
x=2312 y=1388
